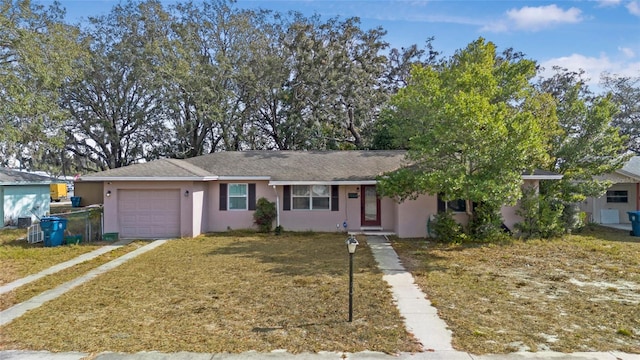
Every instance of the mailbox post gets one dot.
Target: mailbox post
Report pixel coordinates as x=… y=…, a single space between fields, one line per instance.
x=352 y=243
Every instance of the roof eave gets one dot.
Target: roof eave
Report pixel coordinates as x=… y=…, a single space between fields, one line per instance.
x=628 y=174
x=328 y=182
x=541 y=177
x=242 y=178
x=13 y=183
x=147 y=178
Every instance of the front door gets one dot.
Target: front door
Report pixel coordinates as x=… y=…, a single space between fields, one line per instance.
x=369 y=206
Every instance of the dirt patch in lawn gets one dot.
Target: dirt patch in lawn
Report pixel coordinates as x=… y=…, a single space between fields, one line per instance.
x=224 y=293
x=579 y=293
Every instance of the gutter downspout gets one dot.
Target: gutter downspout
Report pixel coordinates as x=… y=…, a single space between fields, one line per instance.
x=637 y=196
x=277 y=206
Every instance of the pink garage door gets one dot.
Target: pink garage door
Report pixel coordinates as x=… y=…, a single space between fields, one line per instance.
x=148 y=214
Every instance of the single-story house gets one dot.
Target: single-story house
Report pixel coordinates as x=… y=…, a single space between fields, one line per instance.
x=313 y=190
x=622 y=196
x=23 y=196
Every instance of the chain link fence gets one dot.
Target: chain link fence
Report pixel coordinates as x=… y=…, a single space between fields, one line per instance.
x=83 y=225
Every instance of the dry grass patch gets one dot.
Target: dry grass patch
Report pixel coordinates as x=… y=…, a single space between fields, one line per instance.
x=19 y=258
x=224 y=293
x=32 y=289
x=579 y=293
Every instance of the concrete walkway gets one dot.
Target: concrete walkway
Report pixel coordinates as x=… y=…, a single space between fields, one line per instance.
x=420 y=318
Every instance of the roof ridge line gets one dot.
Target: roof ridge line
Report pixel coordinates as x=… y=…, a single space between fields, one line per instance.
x=194 y=169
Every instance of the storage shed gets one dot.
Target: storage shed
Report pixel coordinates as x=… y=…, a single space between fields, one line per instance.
x=23 y=196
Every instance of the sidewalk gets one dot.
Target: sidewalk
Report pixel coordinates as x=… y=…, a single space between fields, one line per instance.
x=421 y=319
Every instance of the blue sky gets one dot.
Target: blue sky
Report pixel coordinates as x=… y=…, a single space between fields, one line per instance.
x=596 y=36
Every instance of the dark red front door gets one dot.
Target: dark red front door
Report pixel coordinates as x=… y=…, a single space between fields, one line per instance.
x=369 y=206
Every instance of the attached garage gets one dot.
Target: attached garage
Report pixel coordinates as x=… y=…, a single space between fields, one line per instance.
x=149 y=214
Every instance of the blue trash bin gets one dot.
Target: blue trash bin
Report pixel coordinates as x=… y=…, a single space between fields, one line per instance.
x=53 y=229
x=634 y=217
x=75 y=201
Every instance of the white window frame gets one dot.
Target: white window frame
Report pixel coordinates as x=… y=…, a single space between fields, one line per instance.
x=310 y=197
x=245 y=196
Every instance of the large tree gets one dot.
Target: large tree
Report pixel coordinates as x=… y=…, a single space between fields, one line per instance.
x=472 y=123
x=38 y=54
x=625 y=92
x=587 y=144
x=115 y=114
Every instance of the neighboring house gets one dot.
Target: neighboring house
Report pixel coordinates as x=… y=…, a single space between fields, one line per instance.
x=314 y=190
x=22 y=195
x=622 y=196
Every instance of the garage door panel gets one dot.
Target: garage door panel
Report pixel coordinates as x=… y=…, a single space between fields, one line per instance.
x=149 y=213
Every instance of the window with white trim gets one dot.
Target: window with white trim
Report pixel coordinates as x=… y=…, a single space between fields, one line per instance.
x=311 y=197
x=237 y=197
x=617 y=196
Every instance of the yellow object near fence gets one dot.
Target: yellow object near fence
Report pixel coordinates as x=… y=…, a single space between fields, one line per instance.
x=58 y=191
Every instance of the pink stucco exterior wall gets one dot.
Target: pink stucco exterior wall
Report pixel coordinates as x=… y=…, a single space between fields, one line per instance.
x=223 y=220
x=509 y=216
x=199 y=211
x=411 y=216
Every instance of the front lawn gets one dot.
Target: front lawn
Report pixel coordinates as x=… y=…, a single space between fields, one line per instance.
x=19 y=258
x=224 y=293
x=579 y=293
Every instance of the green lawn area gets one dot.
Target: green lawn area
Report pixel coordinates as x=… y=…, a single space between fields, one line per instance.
x=231 y=292
x=578 y=293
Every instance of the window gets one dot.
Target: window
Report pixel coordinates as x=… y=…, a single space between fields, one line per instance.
x=237 y=197
x=617 y=196
x=311 y=197
x=458 y=205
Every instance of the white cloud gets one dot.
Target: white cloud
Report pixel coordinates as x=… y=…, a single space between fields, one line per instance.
x=536 y=18
x=605 y=3
x=634 y=8
x=593 y=67
x=627 y=52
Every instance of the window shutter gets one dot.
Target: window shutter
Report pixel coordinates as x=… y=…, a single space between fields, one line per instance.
x=334 y=198
x=252 y=196
x=286 y=202
x=442 y=206
x=223 y=197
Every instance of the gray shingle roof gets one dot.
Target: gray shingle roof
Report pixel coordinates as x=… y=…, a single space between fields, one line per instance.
x=632 y=167
x=277 y=165
x=302 y=165
x=8 y=176
x=163 y=168
x=320 y=166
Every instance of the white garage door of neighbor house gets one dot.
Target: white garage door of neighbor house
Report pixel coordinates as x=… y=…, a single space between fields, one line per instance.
x=147 y=214
x=609 y=216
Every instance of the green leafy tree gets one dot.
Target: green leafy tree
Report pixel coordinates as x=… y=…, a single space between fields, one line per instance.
x=625 y=92
x=38 y=55
x=200 y=70
x=587 y=144
x=471 y=128
x=115 y=113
